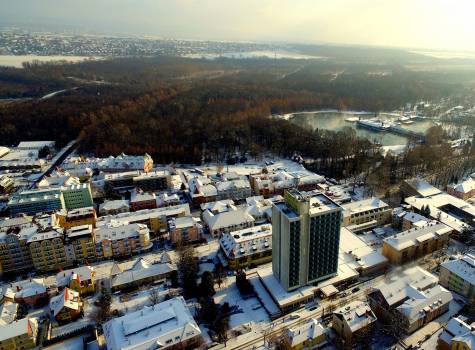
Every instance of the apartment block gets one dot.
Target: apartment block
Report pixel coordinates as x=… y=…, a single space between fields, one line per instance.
x=48 y=252
x=119 y=240
x=458 y=275
x=416 y=242
x=80 y=245
x=366 y=214
x=248 y=247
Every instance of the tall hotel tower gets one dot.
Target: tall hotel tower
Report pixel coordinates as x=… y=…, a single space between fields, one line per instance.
x=305 y=239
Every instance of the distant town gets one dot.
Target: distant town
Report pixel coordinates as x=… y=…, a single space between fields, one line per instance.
x=14 y=41
x=123 y=253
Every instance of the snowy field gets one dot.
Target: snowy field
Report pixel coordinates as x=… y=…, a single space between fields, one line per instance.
x=252 y=310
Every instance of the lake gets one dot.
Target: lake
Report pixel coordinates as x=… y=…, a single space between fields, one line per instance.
x=16 y=61
x=336 y=121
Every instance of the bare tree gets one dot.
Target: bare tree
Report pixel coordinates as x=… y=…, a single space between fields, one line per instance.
x=154 y=296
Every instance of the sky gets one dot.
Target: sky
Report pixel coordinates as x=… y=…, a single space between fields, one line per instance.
x=427 y=24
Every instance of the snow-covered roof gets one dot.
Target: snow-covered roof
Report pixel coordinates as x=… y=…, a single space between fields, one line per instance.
x=140 y=270
x=182 y=222
x=83 y=273
x=35 y=144
x=68 y=298
x=438 y=202
x=363 y=206
x=310 y=330
x=8 y=313
x=463 y=267
x=116 y=231
x=357 y=315
x=144 y=215
x=247 y=241
x=114 y=205
x=138 y=196
x=25 y=288
x=226 y=219
x=465 y=186
x=424 y=188
x=161 y=325
x=218 y=206
x=417 y=235
x=419 y=303
x=457 y=326
x=404 y=286
x=17 y=328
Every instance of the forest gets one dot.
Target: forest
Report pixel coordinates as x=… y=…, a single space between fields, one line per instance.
x=193 y=111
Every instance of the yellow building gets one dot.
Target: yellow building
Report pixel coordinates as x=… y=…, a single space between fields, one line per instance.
x=118 y=240
x=76 y=217
x=366 y=214
x=19 y=334
x=47 y=251
x=80 y=279
x=156 y=219
x=14 y=251
x=416 y=242
x=80 y=240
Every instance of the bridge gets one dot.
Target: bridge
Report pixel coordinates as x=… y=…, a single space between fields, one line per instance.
x=405 y=132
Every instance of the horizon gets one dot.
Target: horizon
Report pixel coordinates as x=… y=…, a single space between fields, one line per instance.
x=405 y=25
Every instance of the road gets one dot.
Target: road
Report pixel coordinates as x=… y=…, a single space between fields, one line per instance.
x=304 y=315
x=56 y=161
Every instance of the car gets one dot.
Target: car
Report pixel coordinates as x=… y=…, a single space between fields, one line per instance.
x=313 y=308
x=356 y=289
x=294 y=317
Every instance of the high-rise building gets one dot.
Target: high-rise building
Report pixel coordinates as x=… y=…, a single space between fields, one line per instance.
x=305 y=239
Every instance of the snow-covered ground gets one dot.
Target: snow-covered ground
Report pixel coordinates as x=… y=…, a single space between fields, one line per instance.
x=253 y=314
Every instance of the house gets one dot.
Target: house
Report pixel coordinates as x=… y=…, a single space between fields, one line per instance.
x=464 y=190
x=167 y=325
x=411 y=300
x=457 y=334
x=30 y=292
x=458 y=275
x=66 y=306
x=353 y=322
x=142 y=272
x=19 y=335
x=309 y=335
x=80 y=279
x=416 y=242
